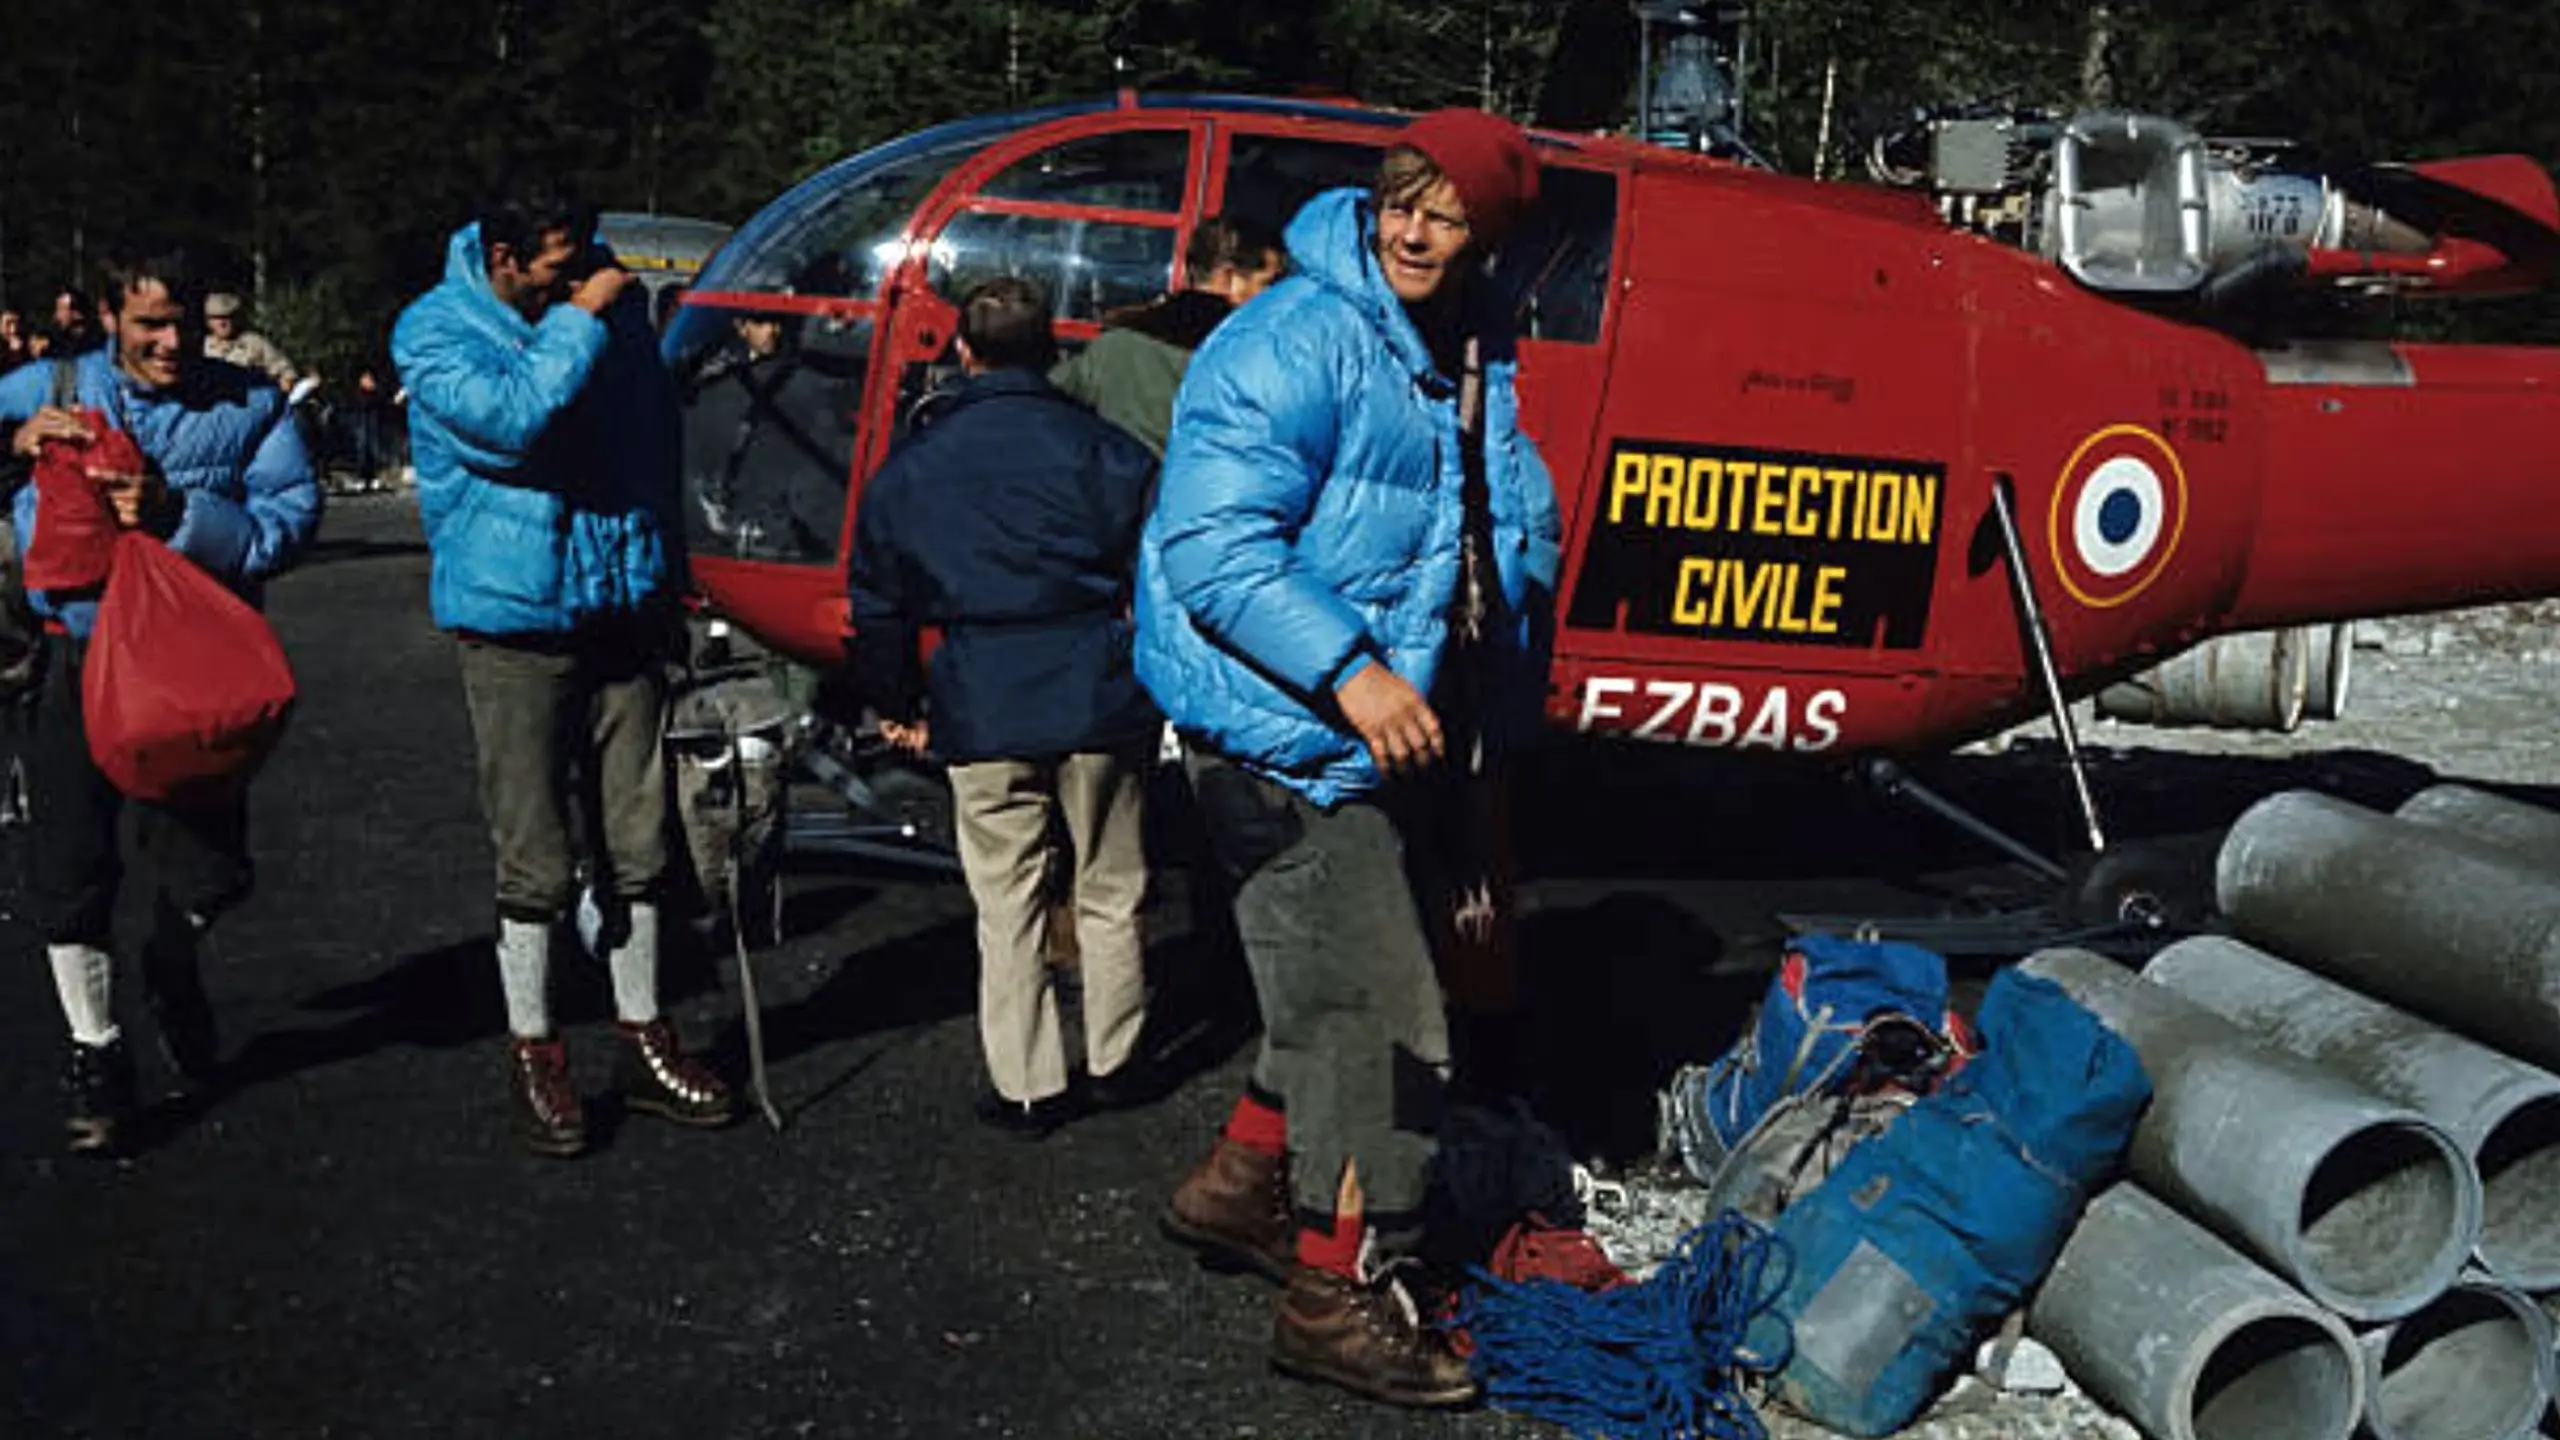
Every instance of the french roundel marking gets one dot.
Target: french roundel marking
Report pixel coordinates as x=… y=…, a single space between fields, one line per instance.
x=2119 y=508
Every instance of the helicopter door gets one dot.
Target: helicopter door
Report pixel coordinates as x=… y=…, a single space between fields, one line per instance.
x=1555 y=272
x=1095 y=220
x=1766 y=508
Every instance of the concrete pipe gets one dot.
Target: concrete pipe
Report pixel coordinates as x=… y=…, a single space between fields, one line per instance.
x=2437 y=926
x=2510 y=827
x=2503 y=1112
x=2473 y=1365
x=2361 y=1202
x=2329 y=652
x=2164 y=1322
x=2551 y=1377
x=2254 y=681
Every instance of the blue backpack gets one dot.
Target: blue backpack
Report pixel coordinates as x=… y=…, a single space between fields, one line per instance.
x=1926 y=1235
x=1840 y=1017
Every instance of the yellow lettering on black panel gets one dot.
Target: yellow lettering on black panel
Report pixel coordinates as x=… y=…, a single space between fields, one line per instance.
x=1725 y=542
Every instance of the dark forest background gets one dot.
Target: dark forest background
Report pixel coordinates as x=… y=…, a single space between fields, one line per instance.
x=326 y=147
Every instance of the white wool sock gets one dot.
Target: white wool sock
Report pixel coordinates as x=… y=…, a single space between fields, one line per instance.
x=524 y=967
x=84 y=976
x=635 y=967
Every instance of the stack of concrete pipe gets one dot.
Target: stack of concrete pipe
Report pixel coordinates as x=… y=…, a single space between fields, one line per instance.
x=2254 y=680
x=2343 y=1207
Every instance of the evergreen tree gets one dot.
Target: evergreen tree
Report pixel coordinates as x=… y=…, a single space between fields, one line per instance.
x=332 y=148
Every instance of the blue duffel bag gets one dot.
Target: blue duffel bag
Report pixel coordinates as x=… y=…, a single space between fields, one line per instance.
x=1925 y=1236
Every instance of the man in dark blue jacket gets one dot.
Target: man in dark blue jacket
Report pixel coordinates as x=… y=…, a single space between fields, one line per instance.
x=1010 y=519
x=229 y=487
x=545 y=435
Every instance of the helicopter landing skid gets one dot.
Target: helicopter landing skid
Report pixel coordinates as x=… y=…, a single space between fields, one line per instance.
x=1995 y=935
x=2127 y=899
x=876 y=809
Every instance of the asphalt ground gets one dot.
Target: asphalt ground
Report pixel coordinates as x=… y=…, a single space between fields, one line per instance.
x=350 y=1243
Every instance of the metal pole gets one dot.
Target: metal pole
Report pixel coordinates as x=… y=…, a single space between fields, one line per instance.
x=1644 y=76
x=258 y=163
x=2503 y=1112
x=1013 y=54
x=2361 y=1202
x=2168 y=1324
x=1822 y=132
x=2022 y=586
x=1741 y=67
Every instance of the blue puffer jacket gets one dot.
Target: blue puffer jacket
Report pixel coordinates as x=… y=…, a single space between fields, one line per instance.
x=1307 y=522
x=221 y=437
x=547 y=455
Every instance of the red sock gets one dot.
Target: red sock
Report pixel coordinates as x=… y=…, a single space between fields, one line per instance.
x=1258 y=1127
x=1337 y=1249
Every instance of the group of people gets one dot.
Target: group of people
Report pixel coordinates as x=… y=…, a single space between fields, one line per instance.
x=545 y=436
x=1332 y=588
x=73 y=331
x=67 y=332
x=354 y=431
x=1289 y=510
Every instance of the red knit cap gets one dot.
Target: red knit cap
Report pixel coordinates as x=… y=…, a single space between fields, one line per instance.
x=1487 y=158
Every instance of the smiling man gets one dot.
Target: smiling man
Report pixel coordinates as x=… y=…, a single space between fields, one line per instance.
x=1351 y=543
x=229 y=486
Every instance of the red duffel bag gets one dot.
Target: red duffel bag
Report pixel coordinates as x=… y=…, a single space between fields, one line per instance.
x=184 y=690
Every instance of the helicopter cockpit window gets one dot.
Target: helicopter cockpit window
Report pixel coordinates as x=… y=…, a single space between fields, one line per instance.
x=844 y=241
x=925 y=382
x=1088 y=267
x=1125 y=170
x=1270 y=176
x=772 y=400
x=1557 y=266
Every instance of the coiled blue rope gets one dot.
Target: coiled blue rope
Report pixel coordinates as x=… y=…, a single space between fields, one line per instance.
x=1661 y=1360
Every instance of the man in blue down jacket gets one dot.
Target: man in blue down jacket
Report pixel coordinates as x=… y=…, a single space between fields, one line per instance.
x=1010 y=518
x=1352 y=548
x=546 y=439
x=232 y=490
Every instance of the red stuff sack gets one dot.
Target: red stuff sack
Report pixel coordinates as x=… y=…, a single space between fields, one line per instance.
x=185 y=689
x=74 y=542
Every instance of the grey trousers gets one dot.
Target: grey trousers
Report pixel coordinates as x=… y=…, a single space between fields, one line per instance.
x=1355 y=1039
x=541 y=712
x=1003 y=809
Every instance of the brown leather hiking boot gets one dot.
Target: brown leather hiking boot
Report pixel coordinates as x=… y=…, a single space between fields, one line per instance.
x=656 y=1077
x=1366 y=1337
x=1234 y=1209
x=550 y=1118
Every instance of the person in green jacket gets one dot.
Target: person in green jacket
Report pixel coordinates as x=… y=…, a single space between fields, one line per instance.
x=1129 y=374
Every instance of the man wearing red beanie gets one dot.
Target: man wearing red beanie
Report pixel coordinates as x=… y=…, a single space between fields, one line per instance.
x=1336 y=596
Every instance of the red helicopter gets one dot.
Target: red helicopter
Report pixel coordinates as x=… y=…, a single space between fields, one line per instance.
x=1847 y=471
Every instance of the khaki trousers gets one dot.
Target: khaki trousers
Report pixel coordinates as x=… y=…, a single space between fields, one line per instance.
x=1003 y=819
